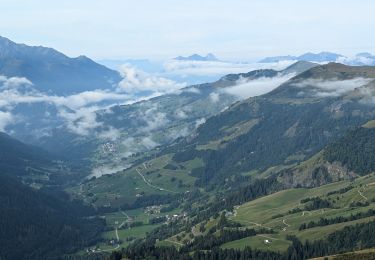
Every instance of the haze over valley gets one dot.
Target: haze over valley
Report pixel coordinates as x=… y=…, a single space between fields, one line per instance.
x=163 y=130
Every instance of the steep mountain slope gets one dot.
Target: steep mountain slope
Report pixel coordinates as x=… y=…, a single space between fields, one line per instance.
x=349 y=157
x=161 y=120
x=284 y=126
x=31 y=164
x=42 y=225
x=237 y=180
x=51 y=71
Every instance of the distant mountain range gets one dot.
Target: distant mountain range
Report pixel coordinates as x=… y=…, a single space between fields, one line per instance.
x=359 y=59
x=309 y=56
x=197 y=57
x=53 y=72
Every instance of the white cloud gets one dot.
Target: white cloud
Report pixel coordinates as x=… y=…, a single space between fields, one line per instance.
x=106 y=170
x=214 y=97
x=192 y=90
x=148 y=143
x=330 y=88
x=5 y=119
x=80 y=121
x=154 y=119
x=180 y=114
x=217 y=68
x=135 y=81
x=110 y=134
x=250 y=88
x=200 y=122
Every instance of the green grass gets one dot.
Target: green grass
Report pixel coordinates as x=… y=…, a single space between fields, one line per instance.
x=230 y=133
x=259 y=243
x=124 y=234
x=369 y=124
x=123 y=188
x=264 y=211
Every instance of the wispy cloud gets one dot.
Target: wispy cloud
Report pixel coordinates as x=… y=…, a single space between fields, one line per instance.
x=245 y=88
x=329 y=88
x=217 y=68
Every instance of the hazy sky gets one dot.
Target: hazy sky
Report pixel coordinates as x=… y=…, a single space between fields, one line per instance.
x=231 y=29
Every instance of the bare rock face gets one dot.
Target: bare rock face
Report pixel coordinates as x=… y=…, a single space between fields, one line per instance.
x=315 y=176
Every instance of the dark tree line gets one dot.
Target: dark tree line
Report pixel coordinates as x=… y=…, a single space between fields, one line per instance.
x=41 y=224
x=359 y=236
x=339 y=219
x=356 y=150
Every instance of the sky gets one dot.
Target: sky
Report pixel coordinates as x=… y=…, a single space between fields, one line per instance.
x=160 y=29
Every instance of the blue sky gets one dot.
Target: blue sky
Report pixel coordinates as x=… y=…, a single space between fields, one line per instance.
x=159 y=29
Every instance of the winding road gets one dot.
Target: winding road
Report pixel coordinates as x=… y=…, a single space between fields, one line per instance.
x=361 y=194
x=152 y=186
x=286 y=224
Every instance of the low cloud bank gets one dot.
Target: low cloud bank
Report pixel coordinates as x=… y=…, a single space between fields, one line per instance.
x=219 y=68
x=330 y=88
x=250 y=88
x=137 y=81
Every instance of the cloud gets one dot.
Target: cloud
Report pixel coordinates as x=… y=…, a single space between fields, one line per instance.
x=217 y=68
x=214 y=97
x=136 y=81
x=200 y=122
x=153 y=119
x=366 y=59
x=176 y=133
x=106 y=170
x=148 y=143
x=191 y=90
x=77 y=112
x=14 y=82
x=111 y=134
x=330 y=88
x=250 y=88
x=180 y=114
x=80 y=121
x=5 y=119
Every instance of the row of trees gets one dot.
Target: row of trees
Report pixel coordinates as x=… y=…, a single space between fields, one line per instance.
x=355 y=237
x=339 y=219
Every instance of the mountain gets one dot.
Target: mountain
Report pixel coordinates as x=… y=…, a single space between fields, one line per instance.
x=197 y=57
x=309 y=56
x=53 y=72
x=31 y=164
x=278 y=59
x=360 y=59
x=319 y=57
x=38 y=224
x=294 y=69
x=294 y=121
x=144 y=125
x=348 y=157
x=271 y=171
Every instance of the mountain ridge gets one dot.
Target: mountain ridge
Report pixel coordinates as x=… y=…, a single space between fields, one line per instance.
x=52 y=71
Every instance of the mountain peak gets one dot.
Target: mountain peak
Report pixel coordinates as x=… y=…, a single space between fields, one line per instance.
x=52 y=71
x=197 y=57
x=323 y=56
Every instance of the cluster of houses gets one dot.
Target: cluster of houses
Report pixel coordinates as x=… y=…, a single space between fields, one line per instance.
x=153 y=209
x=108 y=147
